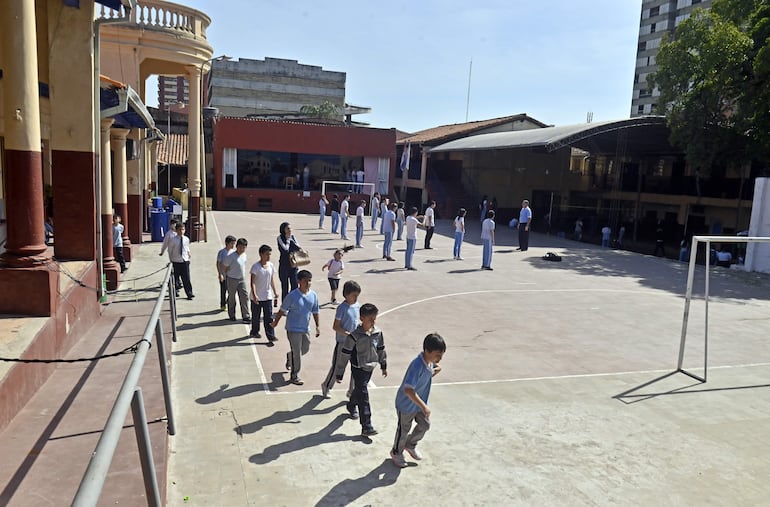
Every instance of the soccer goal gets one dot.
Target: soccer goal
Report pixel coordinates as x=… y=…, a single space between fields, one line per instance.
x=347 y=187
x=696 y=242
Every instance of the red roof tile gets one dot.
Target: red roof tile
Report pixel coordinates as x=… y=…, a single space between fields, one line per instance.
x=173 y=150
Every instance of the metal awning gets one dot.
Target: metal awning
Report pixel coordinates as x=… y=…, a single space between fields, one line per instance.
x=645 y=134
x=123 y=104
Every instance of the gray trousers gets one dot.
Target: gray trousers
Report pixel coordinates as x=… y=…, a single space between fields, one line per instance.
x=300 y=345
x=331 y=379
x=405 y=439
x=237 y=285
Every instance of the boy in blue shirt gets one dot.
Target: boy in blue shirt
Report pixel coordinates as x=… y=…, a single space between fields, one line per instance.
x=345 y=322
x=412 y=399
x=298 y=305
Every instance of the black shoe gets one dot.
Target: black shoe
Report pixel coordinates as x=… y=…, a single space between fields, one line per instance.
x=353 y=413
x=288 y=360
x=270 y=344
x=428 y=248
x=368 y=432
x=247 y=320
x=519 y=249
x=191 y=296
x=272 y=338
x=232 y=318
x=255 y=334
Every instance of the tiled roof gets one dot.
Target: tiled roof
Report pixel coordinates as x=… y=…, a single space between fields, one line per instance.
x=445 y=133
x=173 y=150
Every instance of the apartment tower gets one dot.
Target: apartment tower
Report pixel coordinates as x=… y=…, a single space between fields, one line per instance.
x=659 y=17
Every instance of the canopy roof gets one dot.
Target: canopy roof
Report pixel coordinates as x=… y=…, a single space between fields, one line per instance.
x=643 y=134
x=122 y=103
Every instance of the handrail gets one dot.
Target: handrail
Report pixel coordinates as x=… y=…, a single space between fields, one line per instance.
x=130 y=397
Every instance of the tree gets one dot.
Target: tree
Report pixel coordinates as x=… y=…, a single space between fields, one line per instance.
x=326 y=110
x=713 y=76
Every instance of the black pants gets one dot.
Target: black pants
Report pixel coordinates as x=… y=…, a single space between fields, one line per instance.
x=428 y=236
x=118 y=251
x=288 y=277
x=223 y=293
x=360 y=396
x=659 y=247
x=523 y=237
x=182 y=270
x=265 y=308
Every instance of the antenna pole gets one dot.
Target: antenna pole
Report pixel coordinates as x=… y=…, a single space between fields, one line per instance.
x=468 y=100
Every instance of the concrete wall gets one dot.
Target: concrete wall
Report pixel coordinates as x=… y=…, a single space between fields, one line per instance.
x=758 y=254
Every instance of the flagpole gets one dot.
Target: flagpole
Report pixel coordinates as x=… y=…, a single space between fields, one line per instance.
x=468 y=100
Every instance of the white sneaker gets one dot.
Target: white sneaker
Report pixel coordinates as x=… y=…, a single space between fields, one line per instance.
x=414 y=453
x=398 y=459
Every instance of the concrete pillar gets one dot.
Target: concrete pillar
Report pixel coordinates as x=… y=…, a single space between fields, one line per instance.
x=111 y=268
x=24 y=264
x=134 y=188
x=194 y=154
x=118 y=138
x=423 y=175
x=73 y=140
x=25 y=244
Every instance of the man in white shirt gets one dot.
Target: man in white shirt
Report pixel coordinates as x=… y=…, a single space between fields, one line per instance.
x=344 y=215
x=388 y=227
x=167 y=239
x=234 y=267
x=263 y=293
x=179 y=253
x=412 y=223
x=488 y=240
x=360 y=223
x=430 y=224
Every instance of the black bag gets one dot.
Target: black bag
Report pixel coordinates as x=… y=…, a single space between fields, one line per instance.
x=550 y=256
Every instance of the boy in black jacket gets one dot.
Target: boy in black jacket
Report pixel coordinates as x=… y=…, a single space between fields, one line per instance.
x=365 y=347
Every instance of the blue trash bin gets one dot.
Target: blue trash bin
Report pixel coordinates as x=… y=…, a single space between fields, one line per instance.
x=157 y=202
x=159 y=224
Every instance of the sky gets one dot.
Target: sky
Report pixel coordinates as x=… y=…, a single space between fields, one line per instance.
x=410 y=62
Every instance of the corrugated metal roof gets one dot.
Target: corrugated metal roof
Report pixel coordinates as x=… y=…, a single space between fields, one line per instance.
x=446 y=133
x=551 y=138
x=173 y=150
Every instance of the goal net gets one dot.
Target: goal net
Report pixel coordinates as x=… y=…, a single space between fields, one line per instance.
x=347 y=187
x=706 y=241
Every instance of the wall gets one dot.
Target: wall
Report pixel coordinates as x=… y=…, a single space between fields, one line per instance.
x=758 y=254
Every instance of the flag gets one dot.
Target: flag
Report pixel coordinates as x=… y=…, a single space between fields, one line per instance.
x=405 y=156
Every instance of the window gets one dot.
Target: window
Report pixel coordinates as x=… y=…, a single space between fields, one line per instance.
x=654 y=11
x=640 y=109
x=695 y=2
x=642 y=46
x=644 y=93
x=652 y=28
x=636 y=78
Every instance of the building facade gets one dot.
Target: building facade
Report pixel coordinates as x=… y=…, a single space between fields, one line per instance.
x=271 y=87
x=172 y=90
x=658 y=18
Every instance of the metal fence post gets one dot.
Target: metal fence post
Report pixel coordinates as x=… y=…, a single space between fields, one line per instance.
x=164 y=377
x=145 y=449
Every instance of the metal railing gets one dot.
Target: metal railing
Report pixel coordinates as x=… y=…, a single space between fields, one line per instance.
x=130 y=396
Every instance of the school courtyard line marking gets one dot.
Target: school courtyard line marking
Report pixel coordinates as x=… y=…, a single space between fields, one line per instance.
x=486 y=291
x=267 y=390
x=551 y=377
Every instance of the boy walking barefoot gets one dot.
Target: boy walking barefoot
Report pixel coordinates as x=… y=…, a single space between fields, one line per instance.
x=345 y=322
x=412 y=399
x=365 y=347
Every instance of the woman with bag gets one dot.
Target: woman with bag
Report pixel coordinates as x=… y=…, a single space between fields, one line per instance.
x=287 y=273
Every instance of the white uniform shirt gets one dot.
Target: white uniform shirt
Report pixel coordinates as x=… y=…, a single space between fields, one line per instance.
x=429 y=218
x=411 y=227
x=262 y=276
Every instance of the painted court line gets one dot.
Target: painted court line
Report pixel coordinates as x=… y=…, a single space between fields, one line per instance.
x=552 y=377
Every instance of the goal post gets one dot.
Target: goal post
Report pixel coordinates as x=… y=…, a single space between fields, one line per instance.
x=696 y=242
x=341 y=188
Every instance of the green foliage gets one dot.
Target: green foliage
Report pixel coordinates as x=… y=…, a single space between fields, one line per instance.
x=325 y=110
x=714 y=79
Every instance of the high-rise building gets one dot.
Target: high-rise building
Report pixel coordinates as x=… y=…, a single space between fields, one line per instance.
x=271 y=87
x=172 y=90
x=659 y=17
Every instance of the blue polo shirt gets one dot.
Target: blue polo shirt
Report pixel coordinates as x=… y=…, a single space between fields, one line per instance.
x=525 y=215
x=348 y=317
x=418 y=376
x=298 y=307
